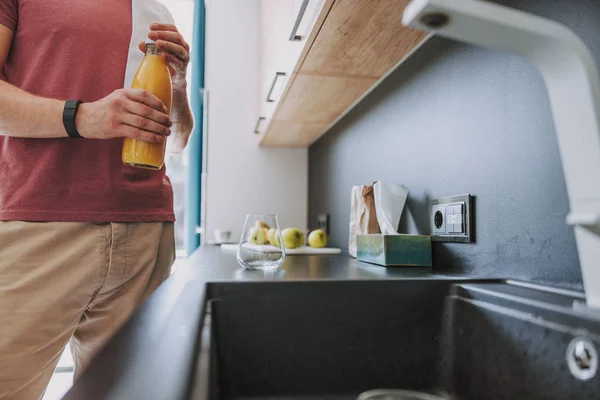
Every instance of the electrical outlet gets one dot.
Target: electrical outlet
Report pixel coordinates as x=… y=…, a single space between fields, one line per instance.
x=438 y=215
x=452 y=219
x=323 y=222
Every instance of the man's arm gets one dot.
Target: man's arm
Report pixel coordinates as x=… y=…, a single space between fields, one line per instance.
x=15 y=102
x=183 y=119
x=134 y=113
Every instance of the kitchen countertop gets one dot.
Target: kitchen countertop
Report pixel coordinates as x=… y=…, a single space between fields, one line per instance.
x=154 y=353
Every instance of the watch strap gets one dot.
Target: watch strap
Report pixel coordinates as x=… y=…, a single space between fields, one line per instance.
x=68 y=117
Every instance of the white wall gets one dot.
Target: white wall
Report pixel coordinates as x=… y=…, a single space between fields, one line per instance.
x=243 y=178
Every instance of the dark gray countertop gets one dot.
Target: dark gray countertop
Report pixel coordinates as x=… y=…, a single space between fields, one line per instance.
x=153 y=354
x=211 y=264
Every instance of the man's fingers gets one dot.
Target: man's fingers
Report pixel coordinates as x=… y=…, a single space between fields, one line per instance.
x=140 y=134
x=163 y=27
x=143 y=96
x=145 y=124
x=169 y=36
x=175 y=62
x=142 y=47
x=175 y=49
x=146 y=111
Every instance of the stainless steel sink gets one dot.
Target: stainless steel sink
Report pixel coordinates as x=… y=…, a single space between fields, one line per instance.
x=336 y=340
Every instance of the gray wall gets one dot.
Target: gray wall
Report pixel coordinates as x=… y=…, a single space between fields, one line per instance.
x=456 y=119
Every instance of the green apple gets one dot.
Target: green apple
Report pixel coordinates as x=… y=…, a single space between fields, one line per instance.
x=262 y=224
x=292 y=237
x=317 y=238
x=277 y=240
x=257 y=235
x=273 y=237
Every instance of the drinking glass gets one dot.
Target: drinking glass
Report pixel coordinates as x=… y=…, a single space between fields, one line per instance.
x=395 y=394
x=255 y=251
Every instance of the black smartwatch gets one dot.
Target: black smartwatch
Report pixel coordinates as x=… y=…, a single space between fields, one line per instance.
x=68 y=118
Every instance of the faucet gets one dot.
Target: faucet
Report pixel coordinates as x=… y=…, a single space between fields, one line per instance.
x=572 y=80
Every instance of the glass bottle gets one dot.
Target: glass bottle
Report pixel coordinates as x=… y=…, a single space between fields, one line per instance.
x=154 y=76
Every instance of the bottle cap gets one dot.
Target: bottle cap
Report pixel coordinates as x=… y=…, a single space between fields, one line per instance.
x=149 y=41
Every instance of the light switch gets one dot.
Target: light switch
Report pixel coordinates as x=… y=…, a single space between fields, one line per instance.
x=457 y=228
x=451 y=219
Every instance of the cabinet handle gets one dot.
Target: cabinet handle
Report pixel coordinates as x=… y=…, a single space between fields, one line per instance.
x=277 y=76
x=293 y=36
x=257 y=127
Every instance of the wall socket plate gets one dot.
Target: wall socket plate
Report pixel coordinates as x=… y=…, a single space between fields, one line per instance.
x=451 y=219
x=323 y=222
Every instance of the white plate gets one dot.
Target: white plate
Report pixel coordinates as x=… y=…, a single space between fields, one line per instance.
x=272 y=249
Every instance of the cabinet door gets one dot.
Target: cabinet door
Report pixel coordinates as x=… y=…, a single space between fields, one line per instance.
x=305 y=15
x=279 y=51
x=274 y=23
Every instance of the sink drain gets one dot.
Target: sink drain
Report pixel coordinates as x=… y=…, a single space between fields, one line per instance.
x=582 y=359
x=394 y=394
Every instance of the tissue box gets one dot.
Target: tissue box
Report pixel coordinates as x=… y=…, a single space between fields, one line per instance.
x=395 y=250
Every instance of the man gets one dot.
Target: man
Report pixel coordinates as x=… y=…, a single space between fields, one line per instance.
x=83 y=238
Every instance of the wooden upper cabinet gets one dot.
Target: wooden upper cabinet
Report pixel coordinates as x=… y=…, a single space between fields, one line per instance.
x=361 y=38
x=321 y=98
x=279 y=55
x=351 y=46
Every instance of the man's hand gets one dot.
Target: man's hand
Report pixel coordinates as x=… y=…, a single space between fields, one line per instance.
x=133 y=113
x=175 y=49
x=177 y=53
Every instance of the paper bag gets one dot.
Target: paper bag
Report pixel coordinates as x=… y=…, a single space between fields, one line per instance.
x=363 y=217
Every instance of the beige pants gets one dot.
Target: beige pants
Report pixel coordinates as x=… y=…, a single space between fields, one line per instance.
x=62 y=281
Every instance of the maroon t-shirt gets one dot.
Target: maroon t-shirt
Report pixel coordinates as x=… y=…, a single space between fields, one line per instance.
x=73 y=49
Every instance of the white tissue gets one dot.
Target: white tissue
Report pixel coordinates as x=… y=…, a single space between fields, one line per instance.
x=389 y=203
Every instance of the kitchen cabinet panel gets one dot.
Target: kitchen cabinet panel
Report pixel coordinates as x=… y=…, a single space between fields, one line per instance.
x=279 y=56
x=351 y=47
x=293 y=134
x=321 y=98
x=275 y=21
x=361 y=38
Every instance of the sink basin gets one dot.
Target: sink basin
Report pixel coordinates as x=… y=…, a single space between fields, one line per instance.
x=338 y=339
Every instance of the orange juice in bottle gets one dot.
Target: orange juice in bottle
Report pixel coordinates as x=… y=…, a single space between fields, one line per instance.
x=154 y=76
